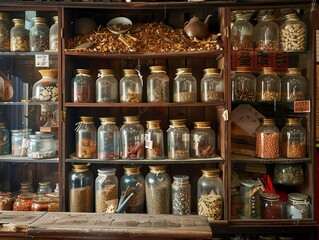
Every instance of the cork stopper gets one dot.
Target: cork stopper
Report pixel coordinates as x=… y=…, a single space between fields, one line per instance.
x=243 y=69
x=270 y=196
x=4 y=16
x=267 y=121
x=209 y=71
x=294 y=71
x=178 y=122
x=86 y=119
x=131 y=119
x=106 y=171
x=130 y=72
x=80 y=167
x=2 y=125
x=48 y=73
x=183 y=70
x=291 y=16
x=38 y=20
x=106 y=72
x=268 y=70
x=210 y=172
x=153 y=124
x=105 y=120
x=18 y=21
x=83 y=71
x=297 y=196
x=132 y=169
x=202 y=124
x=293 y=121
x=158 y=69
x=182 y=179
x=157 y=168
x=55 y=19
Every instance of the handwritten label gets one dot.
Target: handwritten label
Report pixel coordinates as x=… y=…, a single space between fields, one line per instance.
x=42 y=60
x=302 y=106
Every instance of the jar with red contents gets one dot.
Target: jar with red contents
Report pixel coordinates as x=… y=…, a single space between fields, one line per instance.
x=82 y=89
x=6 y=201
x=40 y=203
x=24 y=202
x=270 y=206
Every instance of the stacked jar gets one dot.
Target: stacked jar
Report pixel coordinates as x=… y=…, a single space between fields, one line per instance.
x=158 y=85
x=39 y=35
x=5 y=26
x=106 y=86
x=154 y=141
x=184 y=86
x=178 y=142
x=268 y=86
x=181 y=195
x=46 y=89
x=294 y=86
x=243 y=85
x=212 y=86
x=202 y=140
x=131 y=87
x=4 y=139
x=19 y=142
x=242 y=33
x=19 y=36
x=82 y=88
x=266 y=34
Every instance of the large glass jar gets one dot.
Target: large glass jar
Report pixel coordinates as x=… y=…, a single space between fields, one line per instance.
x=158 y=190
x=40 y=203
x=298 y=206
x=184 y=86
x=19 y=142
x=39 y=35
x=54 y=34
x=82 y=86
x=108 y=139
x=4 y=139
x=5 y=26
x=249 y=199
x=85 y=138
x=294 y=86
x=293 y=34
x=288 y=173
x=154 y=141
x=46 y=89
x=133 y=183
x=106 y=191
x=24 y=202
x=267 y=139
x=157 y=85
x=178 y=142
x=268 y=86
x=131 y=86
x=243 y=85
x=42 y=145
x=44 y=188
x=80 y=189
x=212 y=86
x=210 y=195
x=203 y=140
x=132 y=138
x=266 y=34
x=6 y=201
x=19 y=36
x=242 y=33
x=270 y=206
x=106 y=86
x=181 y=195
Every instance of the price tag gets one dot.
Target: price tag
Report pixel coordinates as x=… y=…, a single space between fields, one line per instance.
x=42 y=60
x=302 y=106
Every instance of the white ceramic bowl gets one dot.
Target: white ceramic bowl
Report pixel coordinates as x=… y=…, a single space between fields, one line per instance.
x=119 y=25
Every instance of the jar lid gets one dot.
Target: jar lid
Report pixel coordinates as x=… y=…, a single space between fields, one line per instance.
x=25 y=184
x=158 y=69
x=27 y=195
x=4 y=16
x=107 y=120
x=250 y=183
x=267 y=121
x=266 y=17
x=132 y=169
x=106 y=72
x=204 y=124
x=294 y=71
x=2 y=125
x=18 y=21
x=83 y=71
x=38 y=20
x=268 y=70
x=48 y=72
x=5 y=194
x=293 y=121
x=270 y=196
x=183 y=70
x=19 y=131
x=208 y=71
x=210 y=172
x=131 y=119
x=297 y=196
x=291 y=16
x=41 y=135
x=153 y=124
x=105 y=171
x=178 y=122
x=86 y=119
x=181 y=178
x=55 y=19
x=157 y=168
x=80 y=167
x=44 y=183
x=243 y=69
x=130 y=72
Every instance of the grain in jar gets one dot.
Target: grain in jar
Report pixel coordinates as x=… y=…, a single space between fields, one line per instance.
x=294 y=86
x=298 y=206
x=24 y=202
x=82 y=86
x=40 y=203
x=243 y=85
x=184 y=86
x=178 y=139
x=203 y=141
x=19 y=36
x=158 y=85
x=106 y=87
x=131 y=87
x=270 y=206
x=54 y=34
x=6 y=201
x=249 y=199
x=288 y=173
x=268 y=86
x=266 y=34
x=39 y=35
x=46 y=89
x=53 y=202
x=181 y=195
x=4 y=139
x=154 y=140
x=242 y=33
x=212 y=86
x=5 y=26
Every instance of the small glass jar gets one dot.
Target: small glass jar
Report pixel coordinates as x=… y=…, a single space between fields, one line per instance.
x=210 y=195
x=132 y=139
x=249 y=199
x=157 y=85
x=4 y=139
x=24 y=202
x=267 y=139
x=53 y=202
x=154 y=140
x=181 y=195
x=212 y=86
x=270 y=207
x=19 y=36
x=54 y=34
x=108 y=139
x=266 y=34
x=19 y=142
x=184 y=86
x=42 y=145
x=243 y=85
x=81 y=190
x=203 y=143
x=26 y=187
x=106 y=191
x=106 y=87
x=39 y=35
x=293 y=34
x=5 y=26
x=40 y=203
x=268 y=86
x=178 y=142
x=294 y=86
x=298 y=206
x=288 y=173
x=6 y=200
x=46 y=89
x=158 y=190
x=85 y=138
x=82 y=86
x=131 y=87
x=242 y=33
x=44 y=188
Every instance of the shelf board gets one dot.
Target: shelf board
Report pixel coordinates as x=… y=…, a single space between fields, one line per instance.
x=23 y=55
x=12 y=159
x=28 y=103
x=237 y=158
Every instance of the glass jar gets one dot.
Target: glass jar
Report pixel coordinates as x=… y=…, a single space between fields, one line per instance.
x=53 y=202
x=210 y=195
x=266 y=34
x=85 y=138
x=203 y=140
x=24 y=202
x=158 y=190
x=288 y=173
x=178 y=139
x=44 y=188
x=298 y=206
x=243 y=85
x=270 y=207
x=26 y=187
x=294 y=86
x=82 y=86
x=249 y=199
x=46 y=89
x=108 y=139
x=242 y=33
x=6 y=200
x=19 y=142
x=157 y=85
x=131 y=87
x=106 y=191
x=132 y=138
x=54 y=34
x=19 y=36
x=154 y=141
x=42 y=145
x=184 y=86
x=80 y=189
x=293 y=34
x=181 y=195
x=106 y=86
x=39 y=35
x=5 y=26
x=267 y=139
x=40 y=203
x=212 y=86
x=133 y=182
x=4 y=139
x=268 y=86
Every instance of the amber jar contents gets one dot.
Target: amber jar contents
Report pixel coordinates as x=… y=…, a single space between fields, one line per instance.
x=294 y=86
x=154 y=141
x=106 y=86
x=268 y=85
x=46 y=89
x=212 y=86
x=39 y=35
x=6 y=201
x=85 y=138
x=242 y=33
x=243 y=85
x=270 y=206
x=266 y=34
x=5 y=26
x=131 y=86
x=82 y=86
x=40 y=203
x=19 y=36
x=157 y=85
x=24 y=202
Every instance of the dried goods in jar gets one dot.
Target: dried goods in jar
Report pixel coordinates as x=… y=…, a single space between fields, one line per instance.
x=158 y=85
x=46 y=89
x=298 y=206
x=82 y=89
x=6 y=201
x=19 y=36
x=181 y=195
x=4 y=139
x=270 y=206
x=212 y=86
x=202 y=140
x=242 y=32
x=23 y=202
x=210 y=205
x=39 y=35
x=5 y=27
x=289 y=173
x=154 y=141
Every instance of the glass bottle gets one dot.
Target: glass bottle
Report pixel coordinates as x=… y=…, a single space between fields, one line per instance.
x=184 y=86
x=106 y=191
x=210 y=195
x=242 y=33
x=40 y=203
x=85 y=138
x=294 y=86
x=158 y=85
x=268 y=86
x=44 y=188
x=288 y=174
x=19 y=142
x=46 y=89
x=82 y=87
x=4 y=139
x=266 y=34
x=158 y=190
x=298 y=206
x=19 y=36
x=80 y=188
x=131 y=87
x=202 y=140
x=39 y=35
x=132 y=139
x=5 y=26
x=108 y=139
x=249 y=199
x=181 y=195
x=212 y=86
x=6 y=200
x=154 y=141
x=243 y=85
x=270 y=207
x=106 y=86
x=42 y=145
x=178 y=139
x=54 y=34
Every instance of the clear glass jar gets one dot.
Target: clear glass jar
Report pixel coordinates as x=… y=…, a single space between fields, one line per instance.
x=293 y=34
x=184 y=86
x=268 y=86
x=19 y=142
x=181 y=195
x=82 y=86
x=242 y=33
x=267 y=139
x=132 y=138
x=42 y=145
x=53 y=202
x=6 y=200
x=19 y=36
x=243 y=85
x=44 y=188
x=203 y=143
x=298 y=206
x=266 y=34
x=133 y=182
x=80 y=188
x=24 y=202
x=270 y=207
x=4 y=139
x=26 y=187
x=39 y=35
x=158 y=85
x=106 y=191
x=288 y=173
x=108 y=139
x=40 y=203
x=85 y=138
x=210 y=195
x=46 y=89
x=106 y=87
x=154 y=140
x=294 y=86
x=178 y=142
x=212 y=86
x=131 y=87
x=158 y=190
x=5 y=26
x=249 y=199
x=54 y=34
